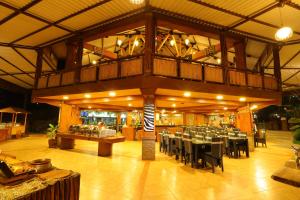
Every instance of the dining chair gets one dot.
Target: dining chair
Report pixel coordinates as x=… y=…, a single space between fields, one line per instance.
x=188 y=151
x=215 y=157
x=165 y=143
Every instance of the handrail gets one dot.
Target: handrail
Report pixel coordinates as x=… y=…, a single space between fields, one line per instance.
x=95 y=65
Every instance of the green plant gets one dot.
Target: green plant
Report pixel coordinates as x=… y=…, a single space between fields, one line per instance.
x=51 y=131
x=296 y=134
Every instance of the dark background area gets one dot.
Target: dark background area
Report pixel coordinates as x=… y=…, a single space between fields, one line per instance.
x=40 y=114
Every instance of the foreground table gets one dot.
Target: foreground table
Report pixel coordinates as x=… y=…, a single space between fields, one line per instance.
x=105 y=144
x=55 y=184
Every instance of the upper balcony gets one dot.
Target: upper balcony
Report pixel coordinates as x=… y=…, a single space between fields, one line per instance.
x=203 y=59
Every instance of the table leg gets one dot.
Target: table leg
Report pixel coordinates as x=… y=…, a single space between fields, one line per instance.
x=104 y=149
x=235 y=150
x=247 y=149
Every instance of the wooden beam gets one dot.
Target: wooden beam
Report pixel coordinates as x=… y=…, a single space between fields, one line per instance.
x=163 y=42
x=277 y=71
x=291 y=76
x=150 y=31
x=3 y=44
x=48 y=63
x=14 y=76
x=18 y=11
x=39 y=66
x=20 y=54
x=269 y=7
x=104 y=53
x=292 y=58
x=7 y=61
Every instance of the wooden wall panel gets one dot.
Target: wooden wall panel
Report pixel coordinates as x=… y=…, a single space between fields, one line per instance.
x=270 y=83
x=213 y=74
x=68 y=116
x=254 y=80
x=108 y=71
x=191 y=71
x=237 y=78
x=68 y=78
x=131 y=67
x=54 y=80
x=165 y=67
x=88 y=74
x=42 y=83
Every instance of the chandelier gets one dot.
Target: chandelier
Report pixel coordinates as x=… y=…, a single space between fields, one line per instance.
x=137 y=2
x=284 y=32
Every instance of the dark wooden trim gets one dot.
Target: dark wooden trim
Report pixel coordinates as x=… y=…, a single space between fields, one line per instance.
x=20 y=54
x=150 y=31
x=277 y=71
x=291 y=76
x=292 y=58
x=224 y=57
x=3 y=44
x=256 y=14
x=39 y=65
x=49 y=64
x=17 y=11
x=292 y=4
x=7 y=61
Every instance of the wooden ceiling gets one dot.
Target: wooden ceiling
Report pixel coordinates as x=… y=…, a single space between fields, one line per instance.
x=166 y=99
x=28 y=24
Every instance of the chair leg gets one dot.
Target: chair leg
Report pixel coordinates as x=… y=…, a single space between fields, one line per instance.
x=213 y=166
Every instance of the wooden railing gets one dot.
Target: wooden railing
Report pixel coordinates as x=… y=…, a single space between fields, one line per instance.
x=162 y=66
x=113 y=69
x=207 y=72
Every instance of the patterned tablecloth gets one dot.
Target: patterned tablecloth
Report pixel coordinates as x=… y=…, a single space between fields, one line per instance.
x=55 y=184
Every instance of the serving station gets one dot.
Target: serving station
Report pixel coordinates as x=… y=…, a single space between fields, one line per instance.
x=36 y=180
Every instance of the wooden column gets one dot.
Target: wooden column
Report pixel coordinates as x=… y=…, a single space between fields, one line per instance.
x=240 y=54
x=39 y=65
x=74 y=56
x=224 y=57
x=148 y=139
x=150 y=31
x=277 y=72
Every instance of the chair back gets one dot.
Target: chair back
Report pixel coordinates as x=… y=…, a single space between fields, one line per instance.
x=216 y=139
x=199 y=137
x=187 y=136
x=166 y=139
x=216 y=149
x=187 y=146
x=161 y=137
x=178 y=143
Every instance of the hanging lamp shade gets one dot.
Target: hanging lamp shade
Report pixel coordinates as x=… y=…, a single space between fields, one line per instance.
x=284 y=33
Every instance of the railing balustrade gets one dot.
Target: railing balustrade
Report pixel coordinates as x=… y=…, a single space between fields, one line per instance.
x=165 y=66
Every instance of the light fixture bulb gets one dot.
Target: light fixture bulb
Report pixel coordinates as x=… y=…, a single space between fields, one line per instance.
x=187 y=94
x=283 y=33
x=94 y=62
x=220 y=97
x=129 y=104
x=187 y=41
x=136 y=2
x=172 y=42
x=112 y=93
x=136 y=43
x=65 y=97
x=243 y=99
x=87 y=96
x=218 y=60
x=119 y=42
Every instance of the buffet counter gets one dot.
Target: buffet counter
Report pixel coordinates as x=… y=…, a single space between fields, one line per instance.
x=53 y=184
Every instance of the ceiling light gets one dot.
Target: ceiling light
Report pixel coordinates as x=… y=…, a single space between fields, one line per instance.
x=172 y=99
x=187 y=42
x=119 y=42
x=243 y=99
x=172 y=42
x=218 y=60
x=65 y=97
x=163 y=111
x=87 y=96
x=187 y=94
x=253 y=107
x=225 y=108
x=129 y=104
x=174 y=111
x=137 y=2
x=90 y=107
x=106 y=100
x=129 y=98
x=283 y=33
x=220 y=97
x=112 y=93
x=174 y=105
x=94 y=62
x=136 y=43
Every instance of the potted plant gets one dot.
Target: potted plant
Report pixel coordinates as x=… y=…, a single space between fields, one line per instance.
x=296 y=134
x=51 y=133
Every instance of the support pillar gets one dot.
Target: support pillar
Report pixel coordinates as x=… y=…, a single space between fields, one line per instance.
x=39 y=65
x=224 y=57
x=240 y=54
x=74 y=56
x=69 y=115
x=277 y=71
x=245 y=124
x=148 y=139
x=150 y=31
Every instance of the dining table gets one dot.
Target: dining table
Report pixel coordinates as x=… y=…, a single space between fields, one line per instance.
x=199 y=147
x=239 y=141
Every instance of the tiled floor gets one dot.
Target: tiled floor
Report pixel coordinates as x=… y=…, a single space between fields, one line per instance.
x=126 y=176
